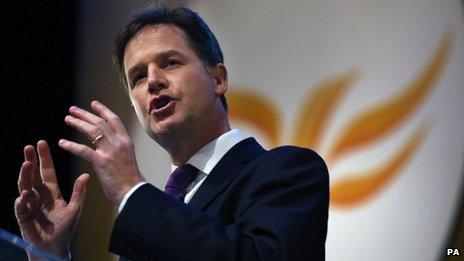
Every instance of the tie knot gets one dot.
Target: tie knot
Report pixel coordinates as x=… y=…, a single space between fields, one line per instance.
x=179 y=180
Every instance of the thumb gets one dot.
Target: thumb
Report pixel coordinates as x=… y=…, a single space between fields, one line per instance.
x=78 y=194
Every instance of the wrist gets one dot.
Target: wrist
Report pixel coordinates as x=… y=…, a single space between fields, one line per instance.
x=130 y=184
x=128 y=194
x=34 y=257
x=62 y=252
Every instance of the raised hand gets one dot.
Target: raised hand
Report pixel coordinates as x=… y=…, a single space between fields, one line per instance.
x=44 y=217
x=113 y=158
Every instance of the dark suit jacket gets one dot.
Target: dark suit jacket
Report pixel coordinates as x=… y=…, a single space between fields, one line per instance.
x=254 y=205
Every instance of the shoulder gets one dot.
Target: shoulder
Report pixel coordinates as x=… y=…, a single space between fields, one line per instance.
x=294 y=151
x=293 y=156
x=291 y=163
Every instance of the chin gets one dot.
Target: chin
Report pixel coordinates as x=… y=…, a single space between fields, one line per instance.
x=164 y=128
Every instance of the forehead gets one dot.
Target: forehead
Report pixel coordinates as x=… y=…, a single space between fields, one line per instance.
x=156 y=38
x=158 y=32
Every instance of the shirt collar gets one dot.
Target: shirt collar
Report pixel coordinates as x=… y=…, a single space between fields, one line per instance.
x=206 y=158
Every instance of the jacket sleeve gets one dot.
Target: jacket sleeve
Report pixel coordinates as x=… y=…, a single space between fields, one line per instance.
x=282 y=216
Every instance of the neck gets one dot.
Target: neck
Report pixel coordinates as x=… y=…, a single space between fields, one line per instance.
x=187 y=145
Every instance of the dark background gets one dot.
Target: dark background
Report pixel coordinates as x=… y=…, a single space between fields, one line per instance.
x=37 y=83
x=37 y=67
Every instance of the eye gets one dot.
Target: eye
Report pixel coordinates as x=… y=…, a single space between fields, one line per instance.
x=170 y=63
x=137 y=78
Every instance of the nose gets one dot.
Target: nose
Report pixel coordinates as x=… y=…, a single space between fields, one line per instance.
x=156 y=79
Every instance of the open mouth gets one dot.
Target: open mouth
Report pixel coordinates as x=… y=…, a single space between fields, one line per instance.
x=160 y=103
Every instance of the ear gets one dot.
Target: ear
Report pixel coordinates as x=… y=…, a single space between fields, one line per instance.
x=219 y=73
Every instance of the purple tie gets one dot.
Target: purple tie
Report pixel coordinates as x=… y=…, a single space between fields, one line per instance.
x=179 y=180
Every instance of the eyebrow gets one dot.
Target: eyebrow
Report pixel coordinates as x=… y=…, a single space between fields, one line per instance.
x=158 y=57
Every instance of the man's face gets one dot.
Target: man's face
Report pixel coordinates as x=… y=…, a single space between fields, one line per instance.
x=171 y=90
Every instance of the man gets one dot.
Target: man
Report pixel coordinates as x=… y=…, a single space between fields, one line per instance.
x=228 y=198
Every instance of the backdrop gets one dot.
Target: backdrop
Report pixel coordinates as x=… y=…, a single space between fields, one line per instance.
x=374 y=86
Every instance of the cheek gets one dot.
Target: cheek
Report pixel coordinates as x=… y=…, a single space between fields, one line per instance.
x=138 y=109
x=201 y=87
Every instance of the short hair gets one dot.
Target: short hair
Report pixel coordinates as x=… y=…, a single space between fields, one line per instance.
x=199 y=36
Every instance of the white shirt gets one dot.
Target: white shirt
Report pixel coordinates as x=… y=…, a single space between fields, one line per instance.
x=205 y=159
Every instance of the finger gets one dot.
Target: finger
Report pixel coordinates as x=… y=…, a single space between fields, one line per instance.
x=90 y=118
x=25 y=209
x=47 y=170
x=79 y=150
x=25 y=205
x=78 y=194
x=24 y=180
x=109 y=116
x=88 y=129
x=20 y=208
x=31 y=155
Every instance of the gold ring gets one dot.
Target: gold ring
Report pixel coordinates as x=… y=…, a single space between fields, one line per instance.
x=97 y=139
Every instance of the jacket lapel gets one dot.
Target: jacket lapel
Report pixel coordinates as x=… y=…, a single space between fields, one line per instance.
x=231 y=164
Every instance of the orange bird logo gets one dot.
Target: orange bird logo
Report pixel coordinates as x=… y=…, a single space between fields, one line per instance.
x=373 y=124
